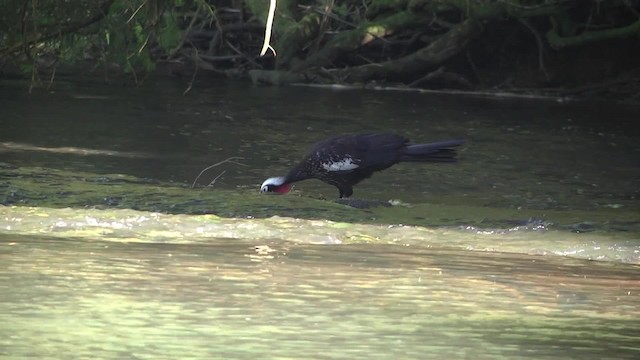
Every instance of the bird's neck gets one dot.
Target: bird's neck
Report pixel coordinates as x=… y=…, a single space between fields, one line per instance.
x=298 y=173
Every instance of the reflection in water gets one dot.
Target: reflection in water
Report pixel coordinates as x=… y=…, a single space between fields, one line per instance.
x=234 y=299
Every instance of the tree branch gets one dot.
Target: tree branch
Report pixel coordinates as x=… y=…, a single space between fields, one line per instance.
x=69 y=29
x=558 y=42
x=446 y=46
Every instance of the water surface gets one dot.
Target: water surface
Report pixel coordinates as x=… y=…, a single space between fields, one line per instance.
x=528 y=248
x=240 y=299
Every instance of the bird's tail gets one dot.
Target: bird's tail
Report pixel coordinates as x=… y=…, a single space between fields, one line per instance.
x=440 y=151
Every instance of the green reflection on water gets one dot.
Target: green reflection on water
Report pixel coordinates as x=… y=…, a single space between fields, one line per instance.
x=59 y=189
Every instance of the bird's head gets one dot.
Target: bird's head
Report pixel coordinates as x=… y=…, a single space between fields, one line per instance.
x=276 y=185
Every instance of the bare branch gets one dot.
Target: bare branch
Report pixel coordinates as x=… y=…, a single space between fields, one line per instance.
x=216 y=178
x=540 y=45
x=231 y=160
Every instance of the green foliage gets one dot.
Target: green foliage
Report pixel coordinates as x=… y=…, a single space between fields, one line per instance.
x=126 y=38
x=72 y=48
x=342 y=10
x=114 y=32
x=26 y=68
x=170 y=34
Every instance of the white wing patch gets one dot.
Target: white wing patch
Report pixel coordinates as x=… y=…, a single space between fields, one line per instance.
x=345 y=164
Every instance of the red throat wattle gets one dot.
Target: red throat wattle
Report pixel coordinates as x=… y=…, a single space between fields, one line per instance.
x=283 y=189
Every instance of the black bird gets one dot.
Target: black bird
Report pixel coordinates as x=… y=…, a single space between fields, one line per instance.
x=344 y=161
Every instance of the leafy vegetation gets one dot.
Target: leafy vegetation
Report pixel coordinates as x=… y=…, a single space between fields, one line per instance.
x=462 y=44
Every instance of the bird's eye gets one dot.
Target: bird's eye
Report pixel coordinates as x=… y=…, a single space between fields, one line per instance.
x=264 y=189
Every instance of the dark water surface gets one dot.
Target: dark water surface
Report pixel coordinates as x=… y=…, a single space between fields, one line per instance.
x=533 y=154
x=105 y=251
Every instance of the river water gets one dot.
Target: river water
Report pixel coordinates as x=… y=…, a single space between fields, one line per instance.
x=528 y=248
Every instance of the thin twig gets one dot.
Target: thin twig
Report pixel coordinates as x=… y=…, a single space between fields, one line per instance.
x=333 y=16
x=430 y=76
x=540 y=45
x=34 y=71
x=53 y=75
x=24 y=29
x=220 y=58
x=195 y=72
x=243 y=54
x=472 y=64
x=228 y=160
x=216 y=178
x=144 y=44
x=184 y=34
x=136 y=12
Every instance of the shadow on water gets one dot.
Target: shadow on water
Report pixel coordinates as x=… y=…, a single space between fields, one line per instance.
x=106 y=252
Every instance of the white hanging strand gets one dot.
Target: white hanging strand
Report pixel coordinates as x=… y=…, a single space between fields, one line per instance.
x=267 y=31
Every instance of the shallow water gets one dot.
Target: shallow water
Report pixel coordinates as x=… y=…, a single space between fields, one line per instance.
x=241 y=299
x=106 y=252
x=528 y=154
